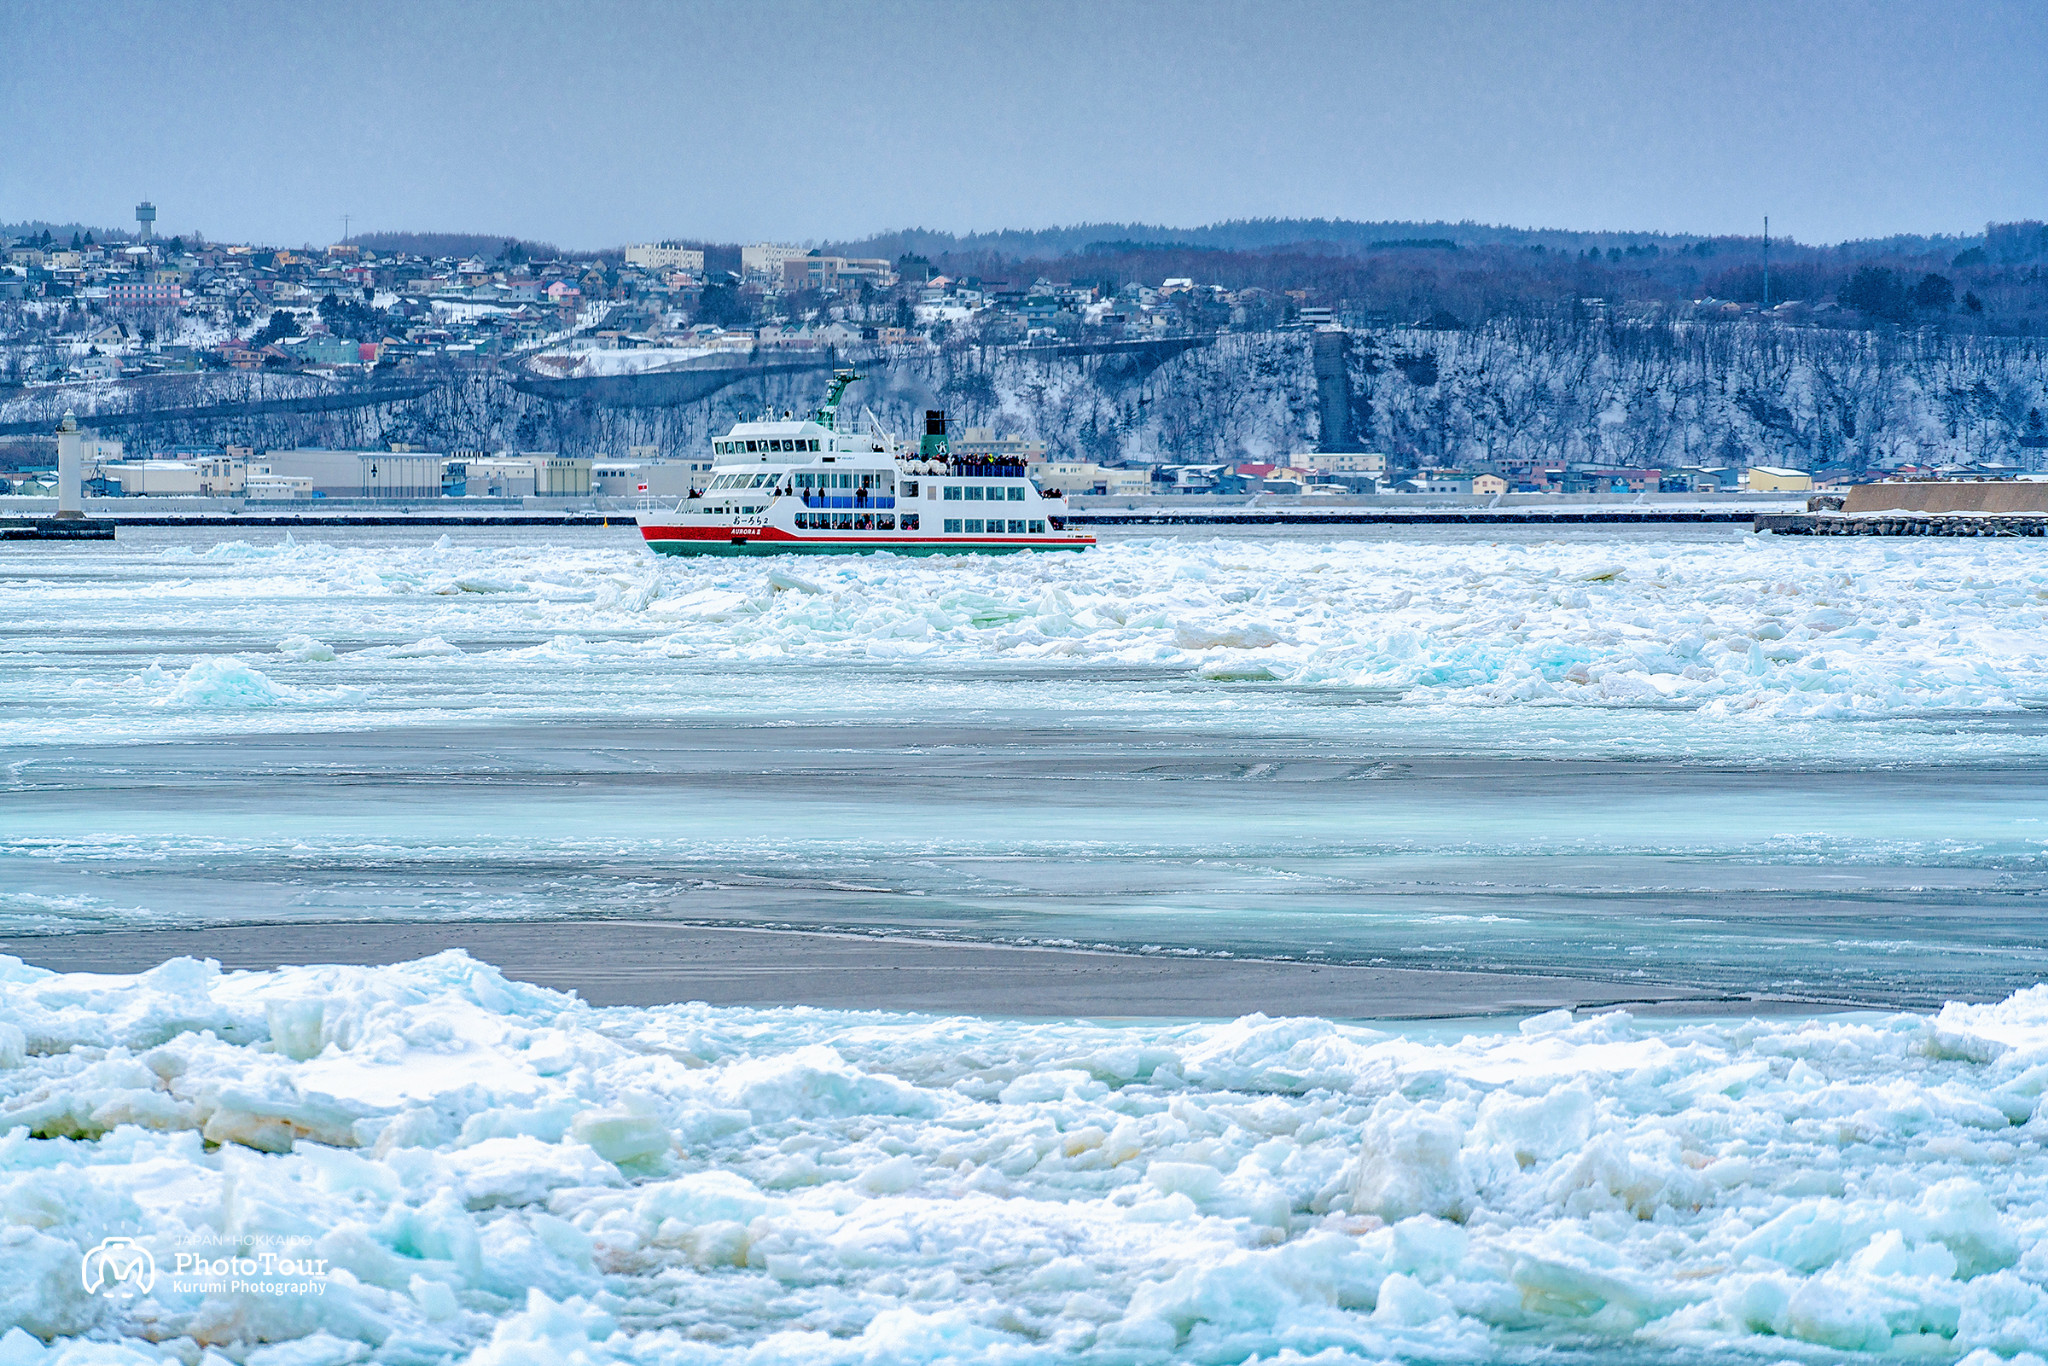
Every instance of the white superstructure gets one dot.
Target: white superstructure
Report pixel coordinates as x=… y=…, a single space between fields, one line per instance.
x=804 y=485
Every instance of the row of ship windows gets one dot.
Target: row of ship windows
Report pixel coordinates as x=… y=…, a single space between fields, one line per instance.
x=883 y=521
x=976 y=526
x=853 y=521
x=790 y=445
x=827 y=479
x=804 y=479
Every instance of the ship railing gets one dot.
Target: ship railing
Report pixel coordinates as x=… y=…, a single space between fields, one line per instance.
x=848 y=501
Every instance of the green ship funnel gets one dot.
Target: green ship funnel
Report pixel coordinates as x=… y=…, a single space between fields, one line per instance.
x=934 y=446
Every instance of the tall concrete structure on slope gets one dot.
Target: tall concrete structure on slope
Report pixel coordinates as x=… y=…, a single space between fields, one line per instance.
x=1333 y=389
x=145 y=220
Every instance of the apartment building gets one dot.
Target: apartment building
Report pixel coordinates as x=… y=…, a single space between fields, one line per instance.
x=666 y=256
x=763 y=260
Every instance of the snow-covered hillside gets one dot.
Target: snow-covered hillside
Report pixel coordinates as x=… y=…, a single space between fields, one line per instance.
x=1665 y=395
x=1652 y=394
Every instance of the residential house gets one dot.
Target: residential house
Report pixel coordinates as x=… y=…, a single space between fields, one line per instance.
x=326 y=350
x=1438 y=481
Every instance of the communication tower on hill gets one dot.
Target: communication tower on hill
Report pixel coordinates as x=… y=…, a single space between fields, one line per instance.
x=145 y=220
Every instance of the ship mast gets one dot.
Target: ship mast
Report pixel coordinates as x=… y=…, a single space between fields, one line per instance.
x=827 y=415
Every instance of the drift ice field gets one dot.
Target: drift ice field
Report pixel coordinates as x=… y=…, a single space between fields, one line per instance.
x=1807 y=780
x=490 y=1170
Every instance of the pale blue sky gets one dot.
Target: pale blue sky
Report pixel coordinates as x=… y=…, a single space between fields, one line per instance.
x=603 y=121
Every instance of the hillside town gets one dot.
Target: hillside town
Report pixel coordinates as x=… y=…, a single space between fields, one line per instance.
x=113 y=321
x=145 y=306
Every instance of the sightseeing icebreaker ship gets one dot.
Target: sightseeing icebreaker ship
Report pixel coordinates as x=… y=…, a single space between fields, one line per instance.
x=806 y=486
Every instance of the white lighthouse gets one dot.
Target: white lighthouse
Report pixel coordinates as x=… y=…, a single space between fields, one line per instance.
x=70 y=468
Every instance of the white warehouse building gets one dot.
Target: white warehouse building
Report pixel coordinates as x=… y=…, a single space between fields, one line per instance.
x=362 y=474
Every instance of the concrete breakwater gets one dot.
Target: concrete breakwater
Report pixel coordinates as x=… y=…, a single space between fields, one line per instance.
x=1903 y=524
x=1356 y=516
x=619 y=519
x=56 y=529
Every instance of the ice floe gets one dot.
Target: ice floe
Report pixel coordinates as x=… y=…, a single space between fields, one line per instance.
x=480 y=1170
x=1723 y=631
